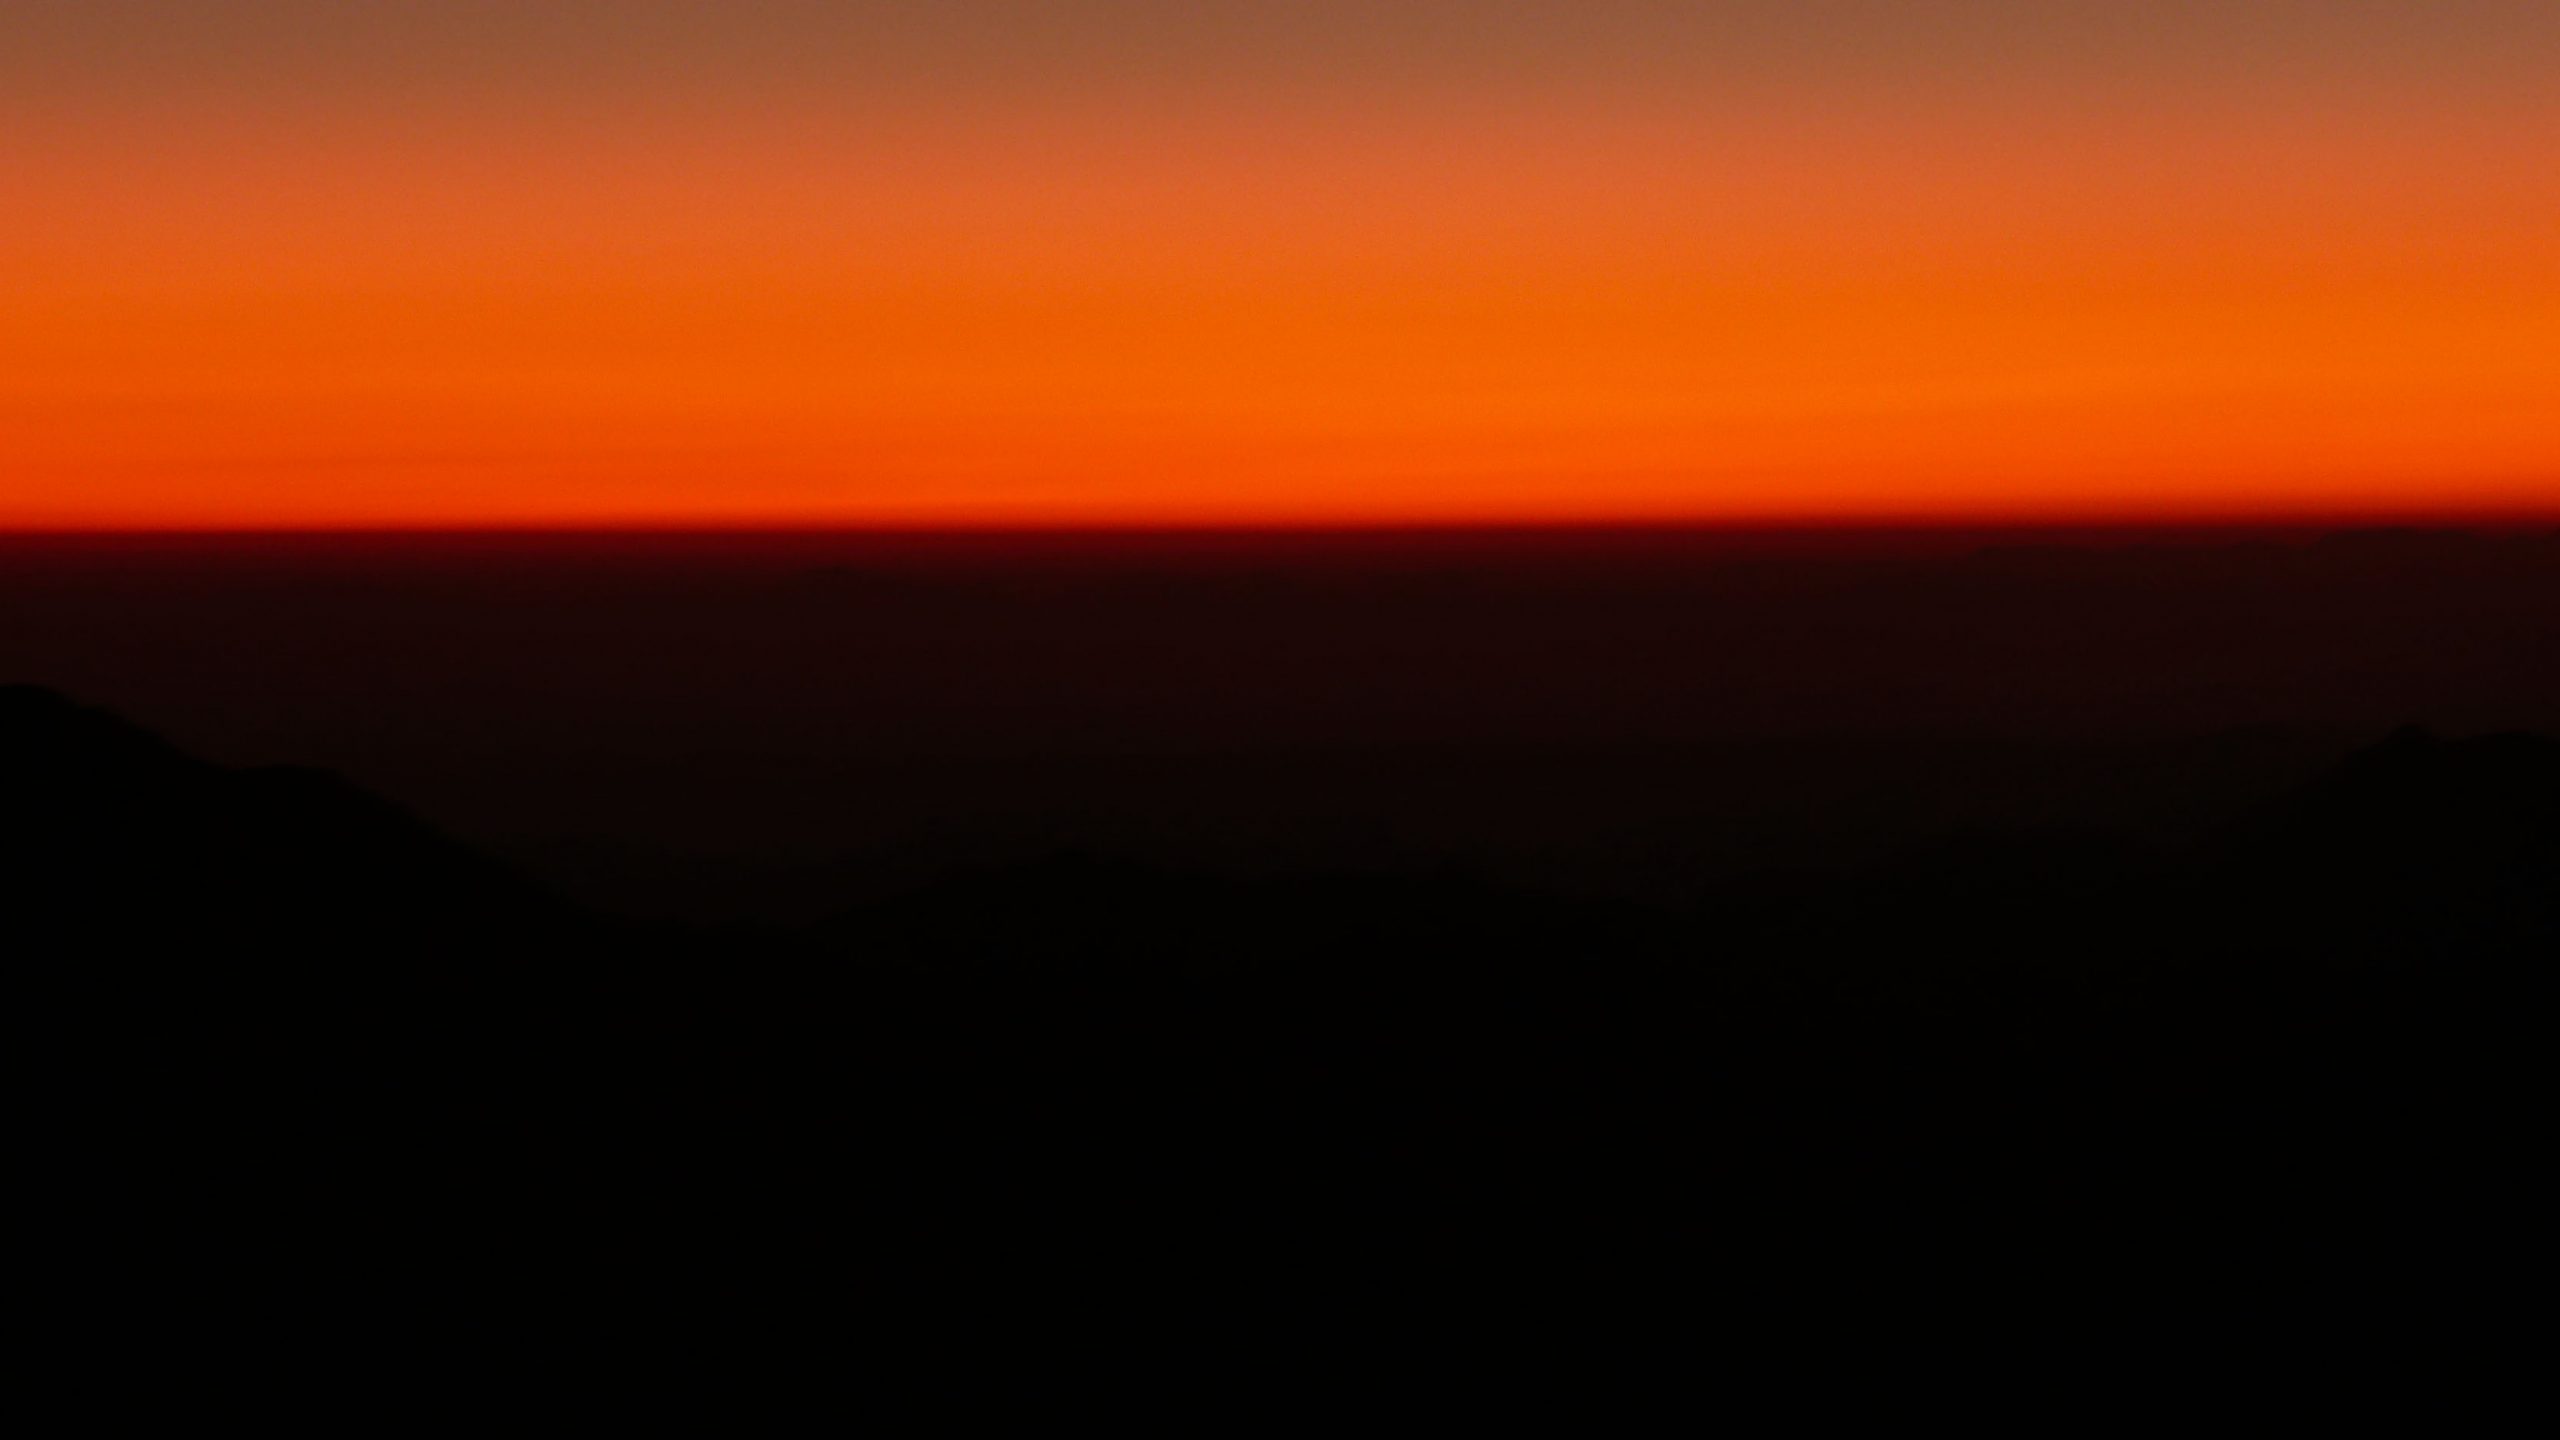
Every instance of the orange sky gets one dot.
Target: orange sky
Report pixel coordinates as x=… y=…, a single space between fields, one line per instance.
x=1252 y=298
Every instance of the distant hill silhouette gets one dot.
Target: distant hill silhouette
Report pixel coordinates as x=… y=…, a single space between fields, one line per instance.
x=727 y=727
x=298 y=1049
x=110 y=828
x=2415 y=796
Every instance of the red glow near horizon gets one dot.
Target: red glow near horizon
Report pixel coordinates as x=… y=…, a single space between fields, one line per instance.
x=1279 y=307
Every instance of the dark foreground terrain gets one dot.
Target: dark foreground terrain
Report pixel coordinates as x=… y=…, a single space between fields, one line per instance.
x=818 y=950
x=319 y=1083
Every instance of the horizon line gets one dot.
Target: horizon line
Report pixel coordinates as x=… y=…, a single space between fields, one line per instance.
x=1880 y=524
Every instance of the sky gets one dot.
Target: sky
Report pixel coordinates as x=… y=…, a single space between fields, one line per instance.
x=285 y=263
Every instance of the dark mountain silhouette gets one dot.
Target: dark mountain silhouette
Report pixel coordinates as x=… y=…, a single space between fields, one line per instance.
x=311 y=1069
x=2415 y=797
x=110 y=831
x=281 y=1031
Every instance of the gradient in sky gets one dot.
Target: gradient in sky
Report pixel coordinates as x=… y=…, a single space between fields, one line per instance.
x=493 y=262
